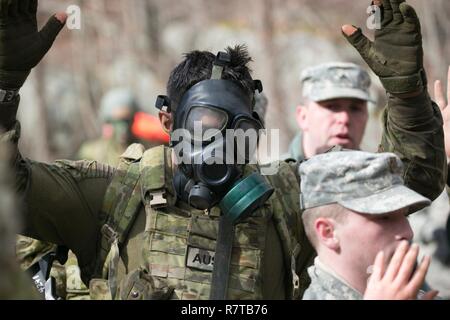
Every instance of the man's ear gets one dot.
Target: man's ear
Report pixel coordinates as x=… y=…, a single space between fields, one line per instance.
x=325 y=229
x=166 y=121
x=301 y=116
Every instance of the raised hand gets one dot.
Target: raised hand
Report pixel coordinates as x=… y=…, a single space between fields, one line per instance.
x=22 y=46
x=398 y=280
x=443 y=104
x=396 y=54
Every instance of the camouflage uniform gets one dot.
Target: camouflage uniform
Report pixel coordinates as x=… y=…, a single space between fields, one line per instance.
x=328 y=81
x=428 y=224
x=30 y=251
x=75 y=288
x=103 y=150
x=326 y=285
x=72 y=203
x=363 y=182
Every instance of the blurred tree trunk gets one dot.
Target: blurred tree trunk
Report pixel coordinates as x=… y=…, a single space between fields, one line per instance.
x=153 y=31
x=84 y=63
x=436 y=32
x=41 y=149
x=277 y=113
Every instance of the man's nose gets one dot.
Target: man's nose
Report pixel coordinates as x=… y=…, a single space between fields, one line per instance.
x=405 y=231
x=343 y=117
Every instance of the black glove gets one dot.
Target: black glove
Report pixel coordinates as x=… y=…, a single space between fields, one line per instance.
x=21 y=45
x=396 y=55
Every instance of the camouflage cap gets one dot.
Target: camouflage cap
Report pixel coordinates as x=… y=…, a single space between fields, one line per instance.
x=335 y=80
x=364 y=182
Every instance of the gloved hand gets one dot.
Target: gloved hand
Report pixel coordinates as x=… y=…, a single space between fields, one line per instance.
x=396 y=55
x=21 y=45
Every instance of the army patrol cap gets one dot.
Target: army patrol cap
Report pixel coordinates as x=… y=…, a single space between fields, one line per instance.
x=335 y=80
x=364 y=182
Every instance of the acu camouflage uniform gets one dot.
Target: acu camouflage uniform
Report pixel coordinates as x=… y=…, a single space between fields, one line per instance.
x=366 y=183
x=326 y=81
x=147 y=239
x=428 y=224
x=326 y=285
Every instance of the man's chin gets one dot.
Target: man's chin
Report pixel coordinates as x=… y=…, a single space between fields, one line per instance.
x=345 y=143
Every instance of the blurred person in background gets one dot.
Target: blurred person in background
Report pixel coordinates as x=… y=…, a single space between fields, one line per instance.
x=334 y=109
x=122 y=124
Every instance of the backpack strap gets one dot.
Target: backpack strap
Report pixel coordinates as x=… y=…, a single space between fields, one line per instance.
x=298 y=252
x=120 y=207
x=139 y=179
x=156 y=188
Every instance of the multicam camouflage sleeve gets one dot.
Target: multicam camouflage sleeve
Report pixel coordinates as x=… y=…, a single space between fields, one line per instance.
x=68 y=212
x=413 y=130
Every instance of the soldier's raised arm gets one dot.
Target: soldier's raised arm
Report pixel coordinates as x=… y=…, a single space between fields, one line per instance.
x=412 y=122
x=62 y=200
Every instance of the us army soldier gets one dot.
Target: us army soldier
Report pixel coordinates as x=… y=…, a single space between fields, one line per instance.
x=361 y=210
x=147 y=217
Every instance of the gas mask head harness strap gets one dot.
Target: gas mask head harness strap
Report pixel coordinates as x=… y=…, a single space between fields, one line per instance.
x=205 y=175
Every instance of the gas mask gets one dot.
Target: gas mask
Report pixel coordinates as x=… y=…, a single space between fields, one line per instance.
x=215 y=134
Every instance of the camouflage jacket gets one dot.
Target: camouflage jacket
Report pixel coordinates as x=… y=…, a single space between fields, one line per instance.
x=326 y=285
x=64 y=199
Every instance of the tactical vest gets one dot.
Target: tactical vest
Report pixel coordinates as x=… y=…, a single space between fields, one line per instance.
x=179 y=242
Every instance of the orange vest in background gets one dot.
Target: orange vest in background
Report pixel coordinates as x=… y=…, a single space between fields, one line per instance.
x=147 y=127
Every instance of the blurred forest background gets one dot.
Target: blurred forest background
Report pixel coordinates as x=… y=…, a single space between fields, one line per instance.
x=136 y=43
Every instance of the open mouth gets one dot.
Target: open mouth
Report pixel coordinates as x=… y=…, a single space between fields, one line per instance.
x=343 y=136
x=342 y=139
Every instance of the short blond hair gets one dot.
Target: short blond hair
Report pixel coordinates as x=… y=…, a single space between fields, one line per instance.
x=309 y=217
